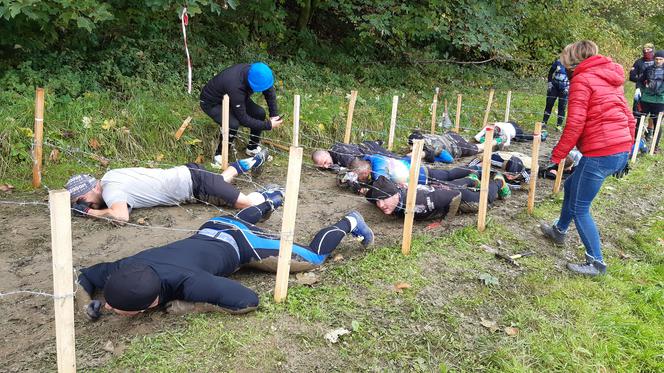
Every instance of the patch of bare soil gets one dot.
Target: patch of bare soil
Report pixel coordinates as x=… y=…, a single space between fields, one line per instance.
x=27 y=331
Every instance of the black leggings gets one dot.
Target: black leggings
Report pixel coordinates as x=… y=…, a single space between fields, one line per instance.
x=467 y=149
x=470 y=195
x=254 y=111
x=551 y=96
x=434 y=175
x=211 y=187
x=256 y=244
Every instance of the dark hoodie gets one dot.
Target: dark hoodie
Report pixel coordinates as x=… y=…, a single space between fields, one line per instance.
x=599 y=123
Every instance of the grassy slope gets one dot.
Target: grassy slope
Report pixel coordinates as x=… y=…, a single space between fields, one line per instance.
x=565 y=322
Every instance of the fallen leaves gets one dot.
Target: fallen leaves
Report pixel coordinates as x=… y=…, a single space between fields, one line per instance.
x=193 y=141
x=142 y=221
x=200 y=159
x=7 y=188
x=337 y=258
x=399 y=286
x=488 y=279
x=54 y=156
x=492 y=325
x=625 y=256
x=159 y=157
x=94 y=144
x=108 y=124
x=307 y=278
x=333 y=335
x=434 y=225
x=511 y=331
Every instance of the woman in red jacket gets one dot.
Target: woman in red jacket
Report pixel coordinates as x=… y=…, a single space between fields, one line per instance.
x=601 y=126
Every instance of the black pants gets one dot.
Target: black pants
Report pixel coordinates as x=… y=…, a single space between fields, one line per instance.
x=214 y=111
x=256 y=244
x=435 y=175
x=470 y=195
x=520 y=136
x=211 y=187
x=551 y=96
x=467 y=149
x=652 y=110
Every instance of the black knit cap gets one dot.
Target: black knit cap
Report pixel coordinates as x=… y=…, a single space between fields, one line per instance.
x=132 y=287
x=381 y=188
x=660 y=53
x=514 y=164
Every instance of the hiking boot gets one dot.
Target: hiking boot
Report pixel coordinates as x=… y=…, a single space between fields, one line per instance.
x=217 y=162
x=588 y=269
x=504 y=190
x=361 y=229
x=544 y=135
x=553 y=233
x=453 y=207
x=254 y=151
x=260 y=159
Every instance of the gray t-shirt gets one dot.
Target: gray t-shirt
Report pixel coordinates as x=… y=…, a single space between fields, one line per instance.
x=147 y=187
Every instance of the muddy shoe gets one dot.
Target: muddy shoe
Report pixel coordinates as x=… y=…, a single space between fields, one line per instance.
x=551 y=232
x=259 y=161
x=473 y=176
x=274 y=194
x=504 y=190
x=361 y=229
x=588 y=269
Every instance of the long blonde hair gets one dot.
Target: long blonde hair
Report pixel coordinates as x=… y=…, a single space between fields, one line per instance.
x=575 y=53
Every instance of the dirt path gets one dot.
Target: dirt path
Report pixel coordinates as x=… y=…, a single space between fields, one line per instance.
x=27 y=331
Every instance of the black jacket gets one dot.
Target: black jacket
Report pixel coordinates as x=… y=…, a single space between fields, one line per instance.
x=431 y=201
x=233 y=82
x=636 y=73
x=342 y=154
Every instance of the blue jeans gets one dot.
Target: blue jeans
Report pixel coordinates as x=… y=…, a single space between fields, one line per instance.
x=580 y=190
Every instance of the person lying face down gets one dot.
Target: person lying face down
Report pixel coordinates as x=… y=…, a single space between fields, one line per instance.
x=436 y=200
x=508 y=131
x=191 y=274
x=121 y=190
x=447 y=147
x=341 y=155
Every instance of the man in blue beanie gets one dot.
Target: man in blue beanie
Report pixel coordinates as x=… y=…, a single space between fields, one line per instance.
x=239 y=82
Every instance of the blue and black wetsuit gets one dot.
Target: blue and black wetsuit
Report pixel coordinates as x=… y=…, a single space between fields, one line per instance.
x=194 y=269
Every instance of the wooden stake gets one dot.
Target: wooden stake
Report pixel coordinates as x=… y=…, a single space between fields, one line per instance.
x=635 y=150
x=63 y=283
x=434 y=105
x=415 y=160
x=507 y=106
x=296 y=121
x=288 y=223
x=38 y=139
x=458 y=114
x=485 y=122
x=656 y=133
x=486 y=174
x=349 y=119
x=559 y=176
x=225 y=129
x=393 y=122
x=182 y=128
x=534 y=165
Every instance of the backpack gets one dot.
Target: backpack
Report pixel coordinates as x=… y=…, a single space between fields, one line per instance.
x=655 y=80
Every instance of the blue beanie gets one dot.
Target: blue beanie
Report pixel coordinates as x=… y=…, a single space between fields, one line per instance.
x=260 y=77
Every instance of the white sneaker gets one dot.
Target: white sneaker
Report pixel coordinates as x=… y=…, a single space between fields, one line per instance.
x=217 y=162
x=253 y=152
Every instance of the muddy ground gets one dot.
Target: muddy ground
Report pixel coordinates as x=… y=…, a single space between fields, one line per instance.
x=26 y=328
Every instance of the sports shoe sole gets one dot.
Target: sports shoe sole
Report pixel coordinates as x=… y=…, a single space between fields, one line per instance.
x=453 y=208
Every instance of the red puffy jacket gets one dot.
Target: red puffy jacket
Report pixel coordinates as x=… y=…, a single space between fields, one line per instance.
x=599 y=122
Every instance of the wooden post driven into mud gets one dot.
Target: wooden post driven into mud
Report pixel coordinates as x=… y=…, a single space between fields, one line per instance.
x=415 y=161
x=534 y=166
x=559 y=176
x=63 y=283
x=182 y=128
x=486 y=174
x=658 y=127
x=349 y=118
x=288 y=223
x=393 y=122
x=458 y=114
x=434 y=105
x=225 y=123
x=487 y=111
x=639 y=133
x=507 y=106
x=38 y=139
x=296 y=121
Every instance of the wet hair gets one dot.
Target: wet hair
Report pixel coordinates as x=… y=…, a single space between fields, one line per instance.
x=575 y=53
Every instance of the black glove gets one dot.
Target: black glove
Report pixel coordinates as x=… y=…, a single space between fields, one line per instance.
x=81 y=208
x=622 y=172
x=93 y=310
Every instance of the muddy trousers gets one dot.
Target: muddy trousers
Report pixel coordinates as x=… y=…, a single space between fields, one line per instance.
x=255 y=244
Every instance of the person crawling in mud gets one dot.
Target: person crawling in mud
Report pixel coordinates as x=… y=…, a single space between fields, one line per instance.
x=435 y=200
x=340 y=155
x=190 y=275
x=121 y=190
x=508 y=131
x=371 y=167
x=448 y=147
